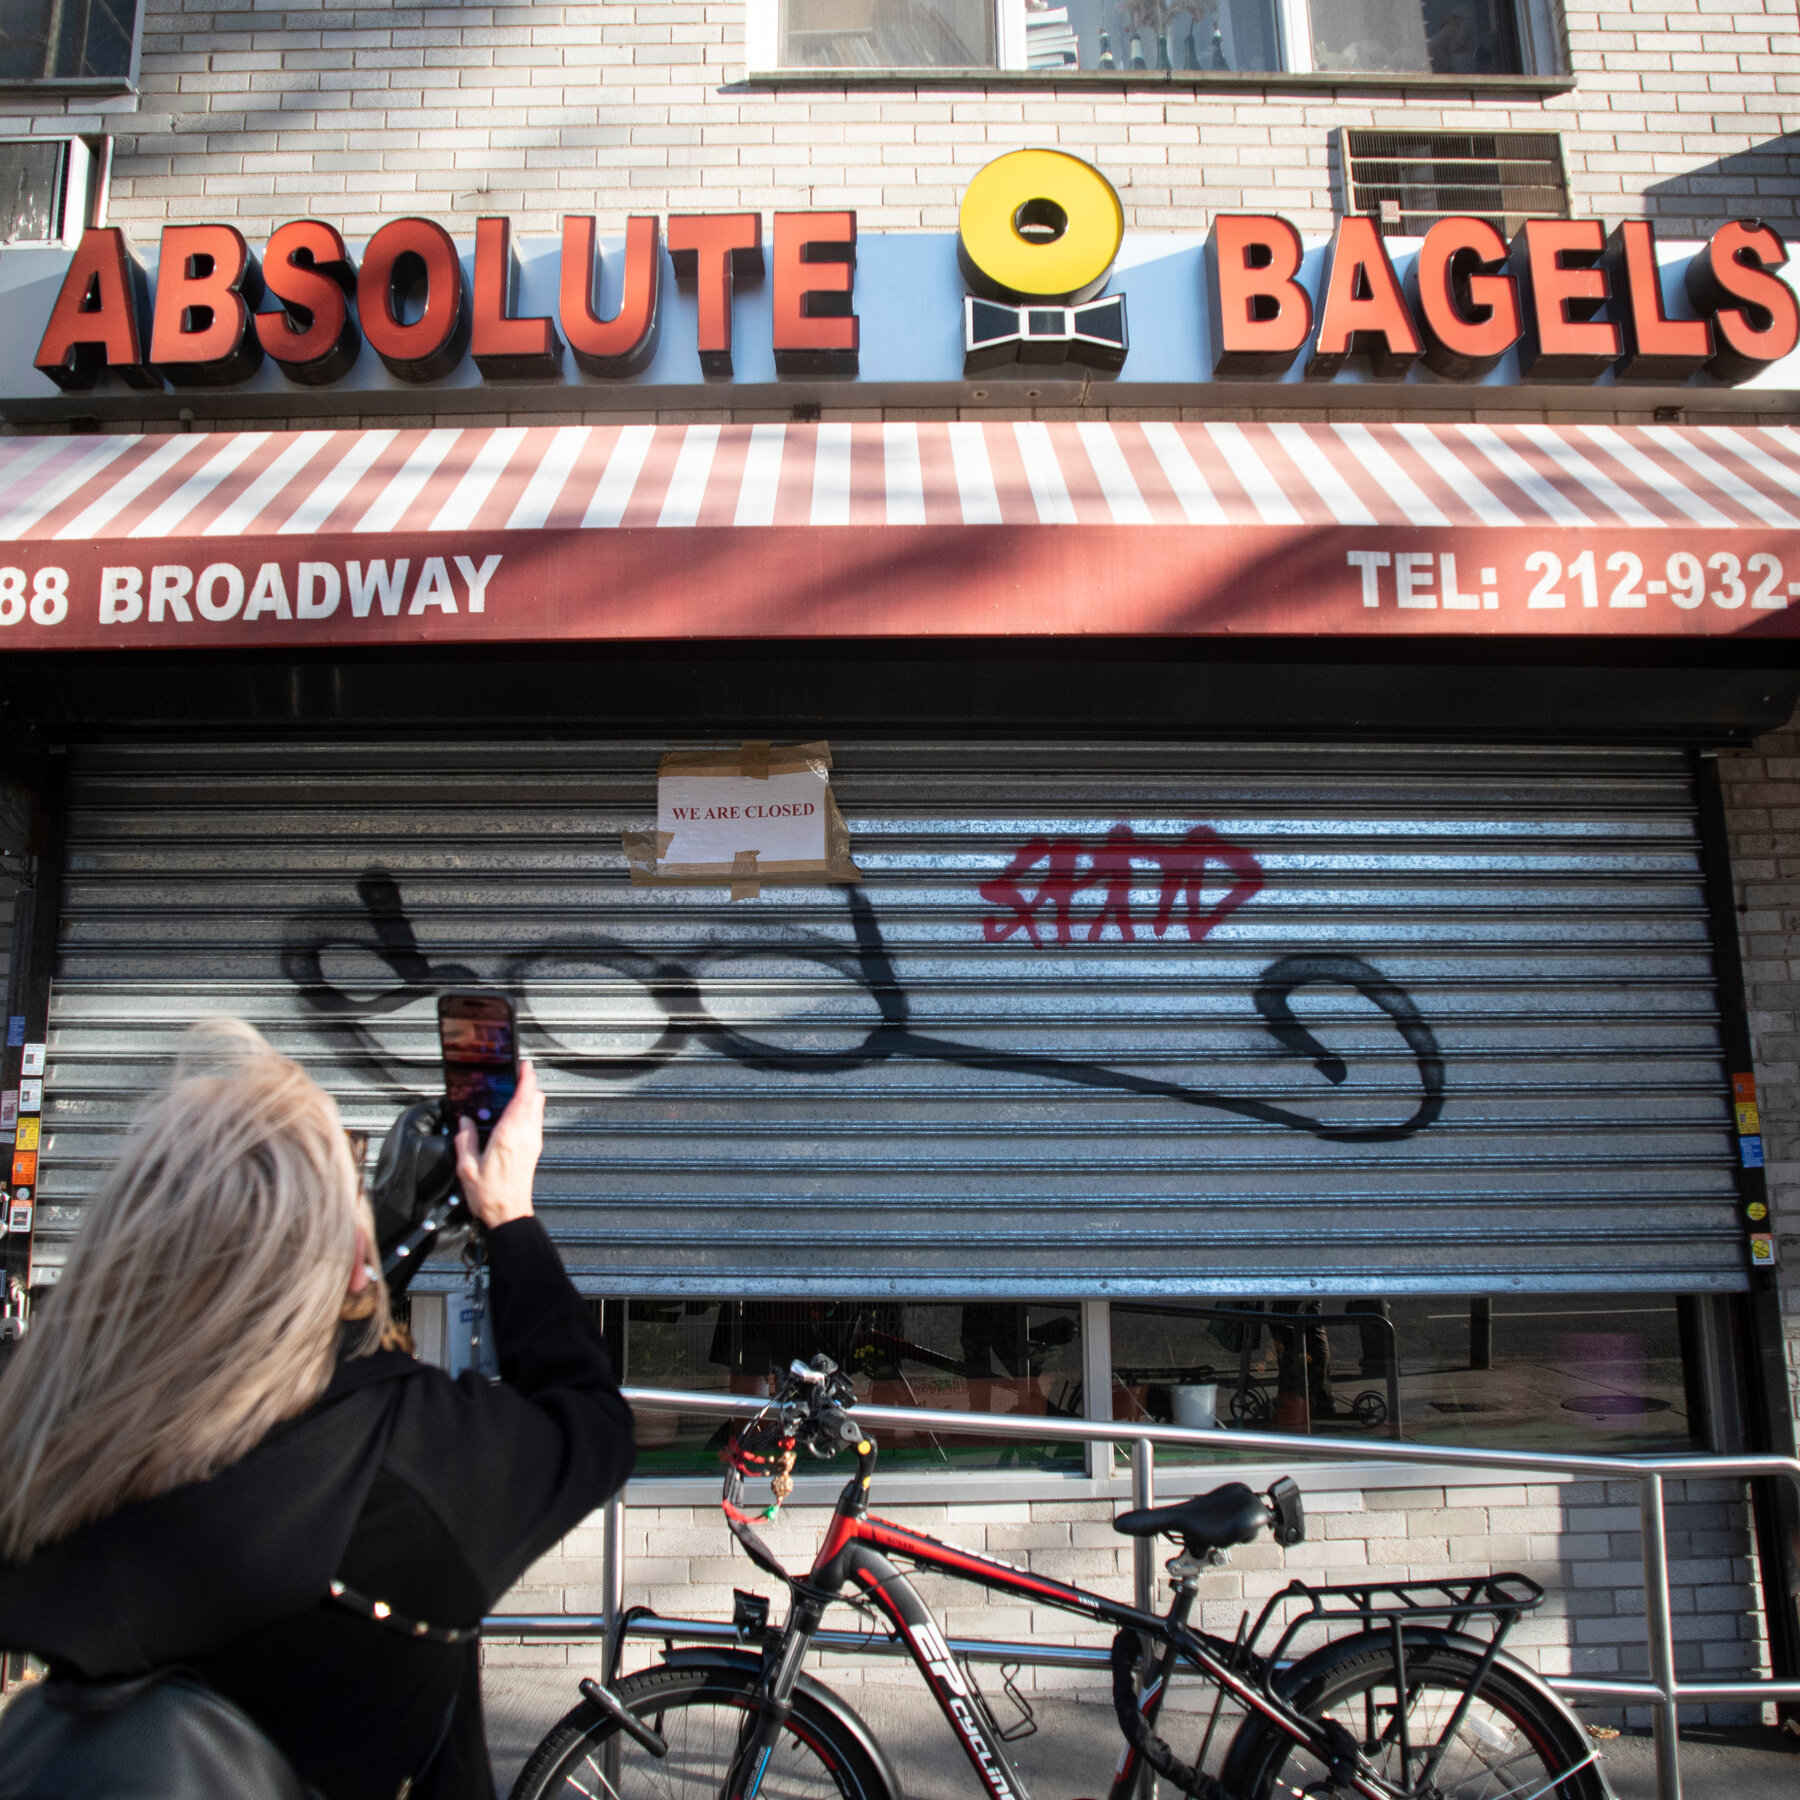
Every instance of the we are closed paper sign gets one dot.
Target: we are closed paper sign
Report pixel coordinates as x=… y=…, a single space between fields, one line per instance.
x=715 y=818
x=753 y=813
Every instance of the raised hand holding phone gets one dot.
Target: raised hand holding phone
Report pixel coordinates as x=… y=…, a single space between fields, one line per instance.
x=496 y=1103
x=479 y=1041
x=496 y=1181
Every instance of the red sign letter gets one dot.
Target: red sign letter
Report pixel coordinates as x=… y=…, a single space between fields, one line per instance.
x=1469 y=307
x=201 y=335
x=1261 y=316
x=506 y=348
x=1362 y=311
x=714 y=250
x=1563 y=340
x=411 y=265
x=816 y=333
x=625 y=343
x=1754 y=317
x=97 y=321
x=1657 y=348
x=313 y=339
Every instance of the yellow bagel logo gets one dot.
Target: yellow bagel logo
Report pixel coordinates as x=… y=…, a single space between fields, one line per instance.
x=1037 y=237
x=1039 y=225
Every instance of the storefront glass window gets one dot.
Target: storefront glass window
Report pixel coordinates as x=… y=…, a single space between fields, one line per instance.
x=979 y=1357
x=1440 y=37
x=66 y=40
x=1608 y=1374
x=1551 y=1372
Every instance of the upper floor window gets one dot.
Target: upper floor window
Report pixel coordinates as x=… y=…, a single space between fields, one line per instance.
x=1073 y=37
x=49 y=188
x=1442 y=37
x=67 y=40
x=889 y=34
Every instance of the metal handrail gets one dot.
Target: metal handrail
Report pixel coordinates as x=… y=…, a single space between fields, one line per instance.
x=1662 y=1692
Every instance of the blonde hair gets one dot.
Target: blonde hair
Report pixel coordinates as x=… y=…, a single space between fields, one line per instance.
x=202 y=1302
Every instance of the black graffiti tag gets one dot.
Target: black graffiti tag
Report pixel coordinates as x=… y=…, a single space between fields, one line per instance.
x=676 y=988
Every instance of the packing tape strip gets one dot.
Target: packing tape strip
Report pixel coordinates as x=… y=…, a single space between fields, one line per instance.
x=744 y=882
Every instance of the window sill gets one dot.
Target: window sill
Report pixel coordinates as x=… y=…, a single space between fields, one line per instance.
x=1184 y=80
x=73 y=86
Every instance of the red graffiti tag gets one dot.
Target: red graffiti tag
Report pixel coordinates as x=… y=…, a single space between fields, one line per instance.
x=1069 y=868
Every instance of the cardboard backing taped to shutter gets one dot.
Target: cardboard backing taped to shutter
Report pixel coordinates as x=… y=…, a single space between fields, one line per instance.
x=1098 y=1020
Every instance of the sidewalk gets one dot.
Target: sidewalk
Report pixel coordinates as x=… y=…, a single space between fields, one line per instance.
x=1756 y=1764
x=1073 y=1749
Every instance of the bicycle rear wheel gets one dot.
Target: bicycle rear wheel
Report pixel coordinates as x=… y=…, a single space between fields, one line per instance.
x=1512 y=1743
x=702 y=1713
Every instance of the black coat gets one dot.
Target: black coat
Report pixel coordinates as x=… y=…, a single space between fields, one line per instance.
x=430 y=1494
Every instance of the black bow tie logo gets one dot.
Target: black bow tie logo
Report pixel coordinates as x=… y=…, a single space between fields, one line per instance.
x=995 y=335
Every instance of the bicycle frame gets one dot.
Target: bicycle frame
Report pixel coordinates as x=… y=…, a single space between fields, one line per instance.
x=852 y=1554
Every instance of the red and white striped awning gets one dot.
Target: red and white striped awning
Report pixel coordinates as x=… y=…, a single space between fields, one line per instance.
x=904 y=528
x=583 y=477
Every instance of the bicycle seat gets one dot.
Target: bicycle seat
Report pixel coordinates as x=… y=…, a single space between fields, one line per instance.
x=1232 y=1514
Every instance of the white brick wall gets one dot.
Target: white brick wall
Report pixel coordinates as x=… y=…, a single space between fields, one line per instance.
x=1681 y=109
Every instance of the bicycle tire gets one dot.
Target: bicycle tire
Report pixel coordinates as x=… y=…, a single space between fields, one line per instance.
x=1516 y=1741
x=815 y=1758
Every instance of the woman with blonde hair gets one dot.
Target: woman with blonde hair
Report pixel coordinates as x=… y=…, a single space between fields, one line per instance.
x=215 y=1457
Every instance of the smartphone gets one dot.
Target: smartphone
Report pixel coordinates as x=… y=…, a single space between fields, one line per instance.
x=480 y=1044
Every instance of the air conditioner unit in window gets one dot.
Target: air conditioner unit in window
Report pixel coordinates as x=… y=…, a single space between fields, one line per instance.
x=1407 y=180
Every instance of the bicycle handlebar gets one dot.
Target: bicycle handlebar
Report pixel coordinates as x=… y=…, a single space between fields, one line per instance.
x=808 y=1411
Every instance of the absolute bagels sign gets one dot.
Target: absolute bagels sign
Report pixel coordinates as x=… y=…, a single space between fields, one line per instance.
x=1038 y=247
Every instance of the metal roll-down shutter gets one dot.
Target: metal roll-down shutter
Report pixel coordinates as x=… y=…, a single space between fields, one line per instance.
x=1100 y=1019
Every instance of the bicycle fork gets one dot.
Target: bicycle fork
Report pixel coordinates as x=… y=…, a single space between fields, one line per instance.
x=762 y=1728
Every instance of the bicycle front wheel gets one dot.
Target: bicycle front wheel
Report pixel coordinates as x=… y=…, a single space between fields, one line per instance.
x=703 y=1714
x=1512 y=1742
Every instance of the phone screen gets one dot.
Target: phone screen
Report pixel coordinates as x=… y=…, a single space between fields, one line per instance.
x=481 y=1057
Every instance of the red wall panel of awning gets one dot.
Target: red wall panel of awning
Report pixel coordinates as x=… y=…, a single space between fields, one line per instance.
x=523 y=533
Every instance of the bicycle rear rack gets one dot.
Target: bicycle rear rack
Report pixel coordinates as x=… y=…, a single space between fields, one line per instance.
x=1502 y=1598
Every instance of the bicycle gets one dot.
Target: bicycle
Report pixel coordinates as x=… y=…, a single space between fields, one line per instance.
x=1407 y=1704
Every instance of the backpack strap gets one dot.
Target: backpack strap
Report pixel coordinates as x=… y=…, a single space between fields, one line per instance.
x=380 y=1613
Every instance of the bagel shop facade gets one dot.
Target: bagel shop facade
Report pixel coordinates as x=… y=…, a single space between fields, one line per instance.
x=1306 y=714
